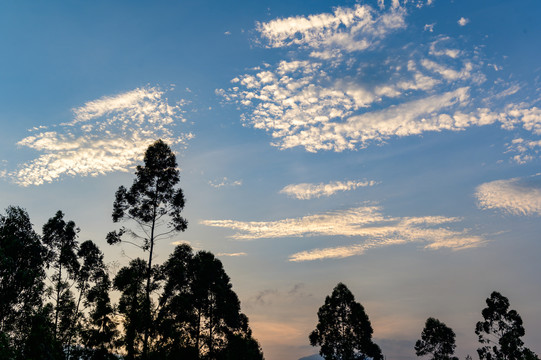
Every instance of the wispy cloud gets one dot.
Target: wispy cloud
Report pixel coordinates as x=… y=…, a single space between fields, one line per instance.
x=237 y=254
x=268 y=296
x=366 y=222
x=224 y=182
x=348 y=29
x=306 y=191
x=517 y=196
x=105 y=135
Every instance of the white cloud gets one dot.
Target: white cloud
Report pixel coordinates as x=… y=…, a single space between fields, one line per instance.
x=232 y=254
x=429 y=27
x=407 y=119
x=348 y=29
x=526 y=150
x=181 y=242
x=366 y=222
x=224 y=182
x=447 y=73
x=463 y=21
x=305 y=191
x=439 y=48
x=513 y=89
x=106 y=135
x=517 y=196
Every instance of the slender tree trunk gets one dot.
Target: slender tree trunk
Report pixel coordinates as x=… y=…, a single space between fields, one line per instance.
x=58 y=283
x=149 y=275
x=211 y=324
x=75 y=316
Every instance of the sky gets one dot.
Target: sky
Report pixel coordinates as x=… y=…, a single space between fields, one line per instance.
x=393 y=146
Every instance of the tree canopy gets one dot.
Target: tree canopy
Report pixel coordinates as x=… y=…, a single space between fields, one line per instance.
x=438 y=340
x=501 y=331
x=344 y=331
x=22 y=272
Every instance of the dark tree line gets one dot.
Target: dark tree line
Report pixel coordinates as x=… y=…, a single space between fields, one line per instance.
x=499 y=333
x=55 y=293
x=344 y=332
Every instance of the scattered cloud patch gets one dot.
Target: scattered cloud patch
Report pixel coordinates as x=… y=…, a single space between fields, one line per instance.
x=306 y=191
x=463 y=21
x=105 y=135
x=516 y=196
x=525 y=150
x=224 y=182
x=366 y=222
x=326 y=97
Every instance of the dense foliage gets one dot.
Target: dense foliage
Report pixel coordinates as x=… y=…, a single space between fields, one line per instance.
x=344 y=331
x=437 y=340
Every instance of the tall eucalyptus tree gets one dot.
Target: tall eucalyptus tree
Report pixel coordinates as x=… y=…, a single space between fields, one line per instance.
x=154 y=204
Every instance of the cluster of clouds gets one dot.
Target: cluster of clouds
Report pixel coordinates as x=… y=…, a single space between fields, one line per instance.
x=347 y=84
x=516 y=196
x=105 y=135
x=365 y=222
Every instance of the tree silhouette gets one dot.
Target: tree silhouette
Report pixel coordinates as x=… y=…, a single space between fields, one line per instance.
x=501 y=331
x=100 y=332
x=22 y=274
x=176 y=314
x=344 y=331
x=154 y=203
x=130 y=281
x=436 y=339
x=199 y=315
x=60 y=238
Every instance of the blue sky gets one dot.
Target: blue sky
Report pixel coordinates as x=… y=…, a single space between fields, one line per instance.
x=390 y=145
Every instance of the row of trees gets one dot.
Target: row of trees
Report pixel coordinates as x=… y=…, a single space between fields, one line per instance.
x=56 y=292
x=344 y=332
x=499 y=333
